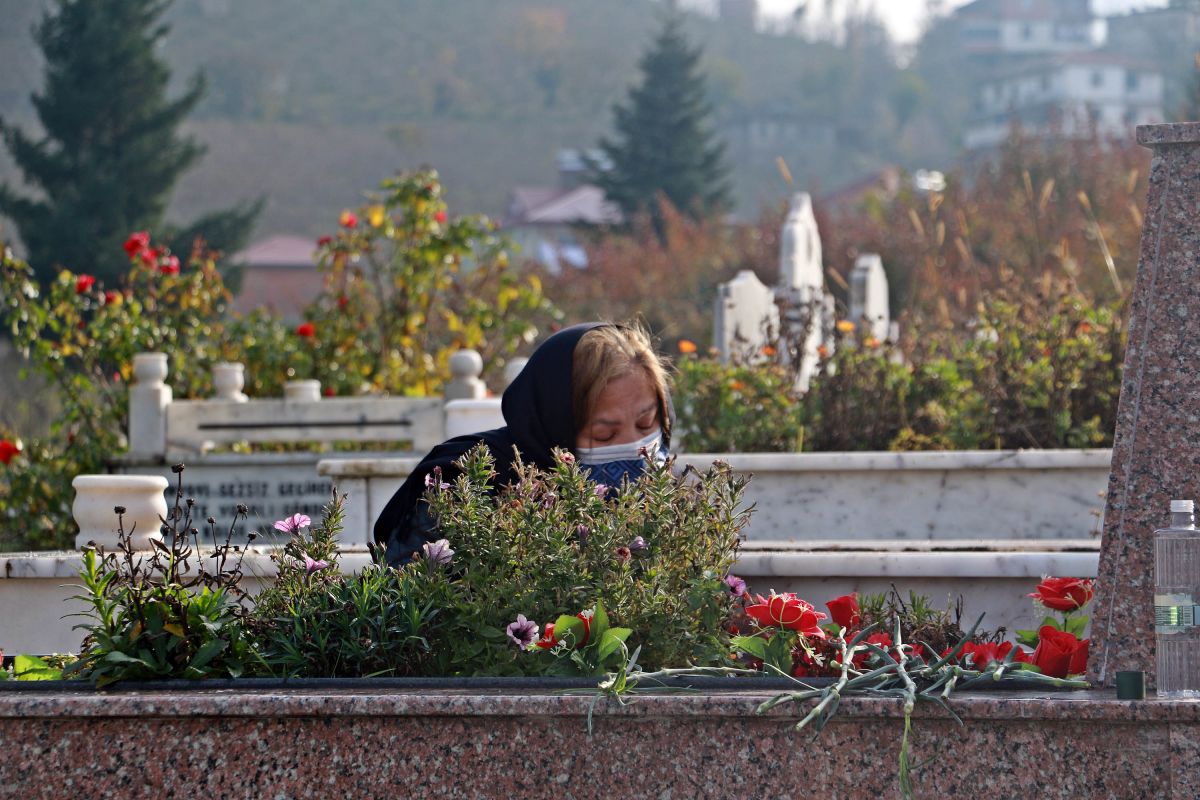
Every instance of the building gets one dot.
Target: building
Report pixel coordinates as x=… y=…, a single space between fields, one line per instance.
x=1067 y=95
x=543 y=221
x=995 y=30
x=1167 y=37
x=279 y=274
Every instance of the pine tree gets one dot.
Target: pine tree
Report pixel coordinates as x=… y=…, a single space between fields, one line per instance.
x=110 y=154
x=664 y=143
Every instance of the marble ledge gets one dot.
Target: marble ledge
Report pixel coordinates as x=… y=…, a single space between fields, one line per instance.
x=1097 y=459
x=923 y=564
x=1091 y=705
x=67 y=564
x=947 y=559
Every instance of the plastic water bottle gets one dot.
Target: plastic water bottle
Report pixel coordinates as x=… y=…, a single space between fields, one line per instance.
x=1176 y=612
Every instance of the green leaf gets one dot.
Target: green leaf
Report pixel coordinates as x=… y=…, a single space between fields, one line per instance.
x=1076 y=625
x=1027 y=637
x=754 y=646
x=32 y=668
x=207 y=652
x=569 y=625
x=611 y=642
x=599 y=624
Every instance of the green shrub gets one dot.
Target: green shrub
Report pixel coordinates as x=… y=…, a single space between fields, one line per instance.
x=653 y=553
x=315 y=622
x=152 y=616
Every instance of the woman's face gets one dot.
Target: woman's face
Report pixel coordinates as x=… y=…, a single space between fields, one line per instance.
x=626 y=411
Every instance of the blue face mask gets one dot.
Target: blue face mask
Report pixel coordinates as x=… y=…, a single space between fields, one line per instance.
x=612 y=463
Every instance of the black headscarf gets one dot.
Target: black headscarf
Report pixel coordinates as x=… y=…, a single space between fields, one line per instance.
x=538 y=419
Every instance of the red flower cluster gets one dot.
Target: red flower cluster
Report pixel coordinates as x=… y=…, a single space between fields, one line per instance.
x=980 y=654
x=138 y=248
x=8 y=451
x=1064 y=594
x=1058 y=654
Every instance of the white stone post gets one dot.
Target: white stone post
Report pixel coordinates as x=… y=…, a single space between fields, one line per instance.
x=229 y=378
x=96 y=497
x=148 y=400
x=305 y=391
x=465 y=368
x=869 y=297
x=745 y=313
x=802 y=283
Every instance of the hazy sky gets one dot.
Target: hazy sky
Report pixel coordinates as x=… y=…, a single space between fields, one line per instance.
x=904 y=16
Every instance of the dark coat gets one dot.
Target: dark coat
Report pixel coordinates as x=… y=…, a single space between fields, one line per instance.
x=537 y=413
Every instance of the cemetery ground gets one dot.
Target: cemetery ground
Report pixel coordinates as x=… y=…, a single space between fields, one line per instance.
x=627 y=611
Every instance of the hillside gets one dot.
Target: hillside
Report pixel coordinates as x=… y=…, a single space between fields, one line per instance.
x=312 y=103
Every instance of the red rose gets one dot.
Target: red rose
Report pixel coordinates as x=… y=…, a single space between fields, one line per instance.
x=8 y=451
x=330 y=391
x=306 y=329
x=440 y=217
x=1064 y=594
x=348 y=219
x=788 y=611
x=112 y=298
x=324 y=240
x=1059 y=653
x=844 y=611
x=136 y=243
x=170 y=266
x=343 y=301
x=84 y=283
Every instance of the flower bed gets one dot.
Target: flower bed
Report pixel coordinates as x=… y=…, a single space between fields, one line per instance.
x=631 y=585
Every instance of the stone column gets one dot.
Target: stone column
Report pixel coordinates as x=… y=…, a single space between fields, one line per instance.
x=148 y=400
x=1156 y=451
x=465 y=368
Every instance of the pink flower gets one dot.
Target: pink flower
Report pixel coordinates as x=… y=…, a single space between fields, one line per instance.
x=438 y=552
x=440 y=217
x=523 y=632
x=601 y=490
x=312 y=565
x=348 y=219
x=736 y=585
x=293 y=523
x=169 y=266
x=433 y=480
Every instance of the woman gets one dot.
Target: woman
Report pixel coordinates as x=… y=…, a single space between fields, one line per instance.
x=597 y=389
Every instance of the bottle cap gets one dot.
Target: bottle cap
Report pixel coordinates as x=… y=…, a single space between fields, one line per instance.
x=1182 y=506
x=1131 y=685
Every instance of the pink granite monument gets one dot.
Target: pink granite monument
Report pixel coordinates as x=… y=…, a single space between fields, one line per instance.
x=1156 y=452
